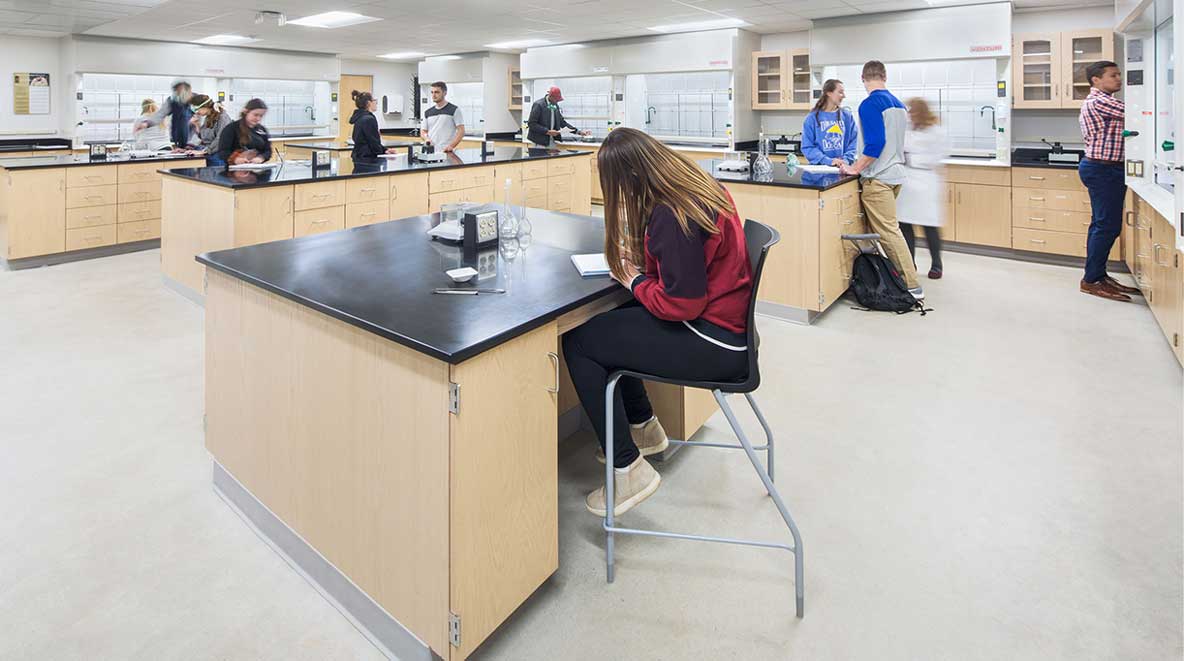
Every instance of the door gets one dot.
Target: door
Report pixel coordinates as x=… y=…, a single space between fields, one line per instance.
x=1036 y=70
x=36 y=212
x=983 y=214
x=1080 y=49
x=504 y=481
x=345 y=102
x=769 y=82
x=800 y=92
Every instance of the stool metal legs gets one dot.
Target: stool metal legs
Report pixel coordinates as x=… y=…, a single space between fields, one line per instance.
x=766 y=476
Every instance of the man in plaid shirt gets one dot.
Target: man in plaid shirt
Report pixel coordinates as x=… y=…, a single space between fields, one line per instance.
x=1102 y=120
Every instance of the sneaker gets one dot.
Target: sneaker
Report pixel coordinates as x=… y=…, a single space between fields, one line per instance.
x=649 y=438
x=935 y=274
x=918 y=293
x=632 y=486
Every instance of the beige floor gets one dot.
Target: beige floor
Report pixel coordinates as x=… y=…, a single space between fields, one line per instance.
x=998 y=480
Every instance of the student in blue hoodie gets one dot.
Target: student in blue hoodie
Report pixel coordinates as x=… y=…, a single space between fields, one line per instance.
x=829 y=133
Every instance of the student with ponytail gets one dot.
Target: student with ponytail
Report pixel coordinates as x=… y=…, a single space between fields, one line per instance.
x=246 y=140
x=367 y=139
x=829 y=134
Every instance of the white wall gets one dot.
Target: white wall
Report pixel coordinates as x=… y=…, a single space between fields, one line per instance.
x=389 y=78
x=496 y=77
x=37 y=55
x=696 y=51
x=103 y=55
x=785 y=40
x=466 y=69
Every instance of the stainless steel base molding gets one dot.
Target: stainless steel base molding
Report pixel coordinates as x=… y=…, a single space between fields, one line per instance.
x=785 y=313
x=385 y=632
x=77 y=255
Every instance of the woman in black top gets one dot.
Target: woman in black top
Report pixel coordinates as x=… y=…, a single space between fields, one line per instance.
x=246 y=140
x=367 y=140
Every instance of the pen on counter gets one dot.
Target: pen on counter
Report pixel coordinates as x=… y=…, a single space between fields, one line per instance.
x=469 y=292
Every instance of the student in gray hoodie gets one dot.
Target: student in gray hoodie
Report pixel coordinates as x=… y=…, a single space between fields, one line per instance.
x=209 y=119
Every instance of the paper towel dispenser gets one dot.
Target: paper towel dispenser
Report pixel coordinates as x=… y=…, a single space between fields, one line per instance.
x=392 y=104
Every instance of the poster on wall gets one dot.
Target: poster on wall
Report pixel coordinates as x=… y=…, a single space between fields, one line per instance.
x=30 y=93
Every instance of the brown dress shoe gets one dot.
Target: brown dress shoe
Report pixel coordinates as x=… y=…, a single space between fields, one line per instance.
x=1104 y=290
x=1118 y=286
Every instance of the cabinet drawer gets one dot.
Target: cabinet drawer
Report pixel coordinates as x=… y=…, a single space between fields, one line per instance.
x=91 y=175
x=481 y=177
x=91 y=196
x=448 y=180
x=1047 y=178
x=559 y=193
x=141 y=230
x=1056 y=243
x=148 y=191
x=978 y=174
x=367 y=213
x=560 y=166
x=1074 y=222
x=483 y=195
x=536 y=193
x=534 y=170
x=367 y=189
x=90 y=216
x=318 y=196
x=139 y=173
x=137 y=211
x=1051 y=198
x=90 y=237
x=315 y=221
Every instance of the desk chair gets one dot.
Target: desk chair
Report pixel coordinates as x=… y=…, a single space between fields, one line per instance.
x=758 y=239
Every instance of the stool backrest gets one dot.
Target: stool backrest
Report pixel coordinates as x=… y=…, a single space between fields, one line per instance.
x=758 y=239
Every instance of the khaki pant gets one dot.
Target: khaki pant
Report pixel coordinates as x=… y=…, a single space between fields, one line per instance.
x=879 y=204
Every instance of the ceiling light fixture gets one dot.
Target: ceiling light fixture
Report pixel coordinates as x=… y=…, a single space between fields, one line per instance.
x=439 y=58
x=333 y=19
x=264 y=16
x=225 y=40
x=516 y=44
x=406 y=55
x=695 y=26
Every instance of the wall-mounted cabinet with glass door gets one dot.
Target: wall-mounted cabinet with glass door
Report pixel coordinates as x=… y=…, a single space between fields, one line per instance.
x=781 y=80
x=1048 y=68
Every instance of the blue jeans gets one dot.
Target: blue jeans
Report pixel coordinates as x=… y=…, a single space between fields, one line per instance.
x=214 y=161
x=1107 y=189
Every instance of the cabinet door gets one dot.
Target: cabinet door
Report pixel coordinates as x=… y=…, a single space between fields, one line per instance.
x=36 y=212
x=800 y=96
x=503 y=481
x=842 y=215
x=262 y=215
x=409 y=196
x=1163 y=274
x=1144 y=276
x=769 y=80
x=513 y=172
x=1079 y=49
x=1128 y=232
x=983 y=214
x=559 y=192
x=1036 y=70
x=949 y=231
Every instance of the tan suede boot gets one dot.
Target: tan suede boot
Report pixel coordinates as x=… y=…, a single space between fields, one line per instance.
x=649 y=439
x=632 y=485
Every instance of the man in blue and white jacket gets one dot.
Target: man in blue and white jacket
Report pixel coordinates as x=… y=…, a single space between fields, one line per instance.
x=884 y=119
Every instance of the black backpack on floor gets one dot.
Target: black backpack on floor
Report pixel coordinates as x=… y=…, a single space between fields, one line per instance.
x=877 y=285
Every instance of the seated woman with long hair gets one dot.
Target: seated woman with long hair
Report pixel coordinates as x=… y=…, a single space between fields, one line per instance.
x=672 y=236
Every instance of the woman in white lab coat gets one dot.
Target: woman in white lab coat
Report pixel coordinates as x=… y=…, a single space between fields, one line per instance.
x=922 y=199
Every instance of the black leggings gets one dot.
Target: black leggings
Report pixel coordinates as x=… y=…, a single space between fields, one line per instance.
x=932 y=237
x=629 y=337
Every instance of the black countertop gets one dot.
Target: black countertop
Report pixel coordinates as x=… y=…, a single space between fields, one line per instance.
x=333 y=145
x=1025 y=157
x=34 y=144
x=781 y=176
x=71 y=160
x=293 y=172
x=380 y=278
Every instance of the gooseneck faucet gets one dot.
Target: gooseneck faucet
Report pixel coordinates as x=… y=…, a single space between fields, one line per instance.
x=994 y=126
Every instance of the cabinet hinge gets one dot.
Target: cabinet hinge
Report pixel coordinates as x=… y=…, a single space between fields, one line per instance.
x=205 y=423
x=454 y=398
x=453 y=629
x=205 y=282
x=1175 y=339
x=821 y=204
x=821 y=299
x=1176 y=260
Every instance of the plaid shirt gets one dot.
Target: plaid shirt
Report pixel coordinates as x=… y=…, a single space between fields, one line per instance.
x=1102 y=119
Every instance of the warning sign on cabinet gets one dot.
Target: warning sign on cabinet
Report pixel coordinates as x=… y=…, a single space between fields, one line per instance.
x=30 y=93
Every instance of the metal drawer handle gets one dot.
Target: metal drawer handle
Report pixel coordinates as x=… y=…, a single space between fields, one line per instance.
x=554 y=359
x=92 y=217
x=1037 y=240
x=1039 y=220
x=1035 y=178
x=1035 y=199
x=368 y=190
x=320 y=195
x=93 y=197
x=369 y=213
x=92 y=239
x=319 y=222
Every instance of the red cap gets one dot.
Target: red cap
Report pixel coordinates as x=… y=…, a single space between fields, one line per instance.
x=555 y=94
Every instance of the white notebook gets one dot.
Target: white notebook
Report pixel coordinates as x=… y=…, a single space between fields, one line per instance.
x=819 y=168
x=254 y=166
x=589 y=265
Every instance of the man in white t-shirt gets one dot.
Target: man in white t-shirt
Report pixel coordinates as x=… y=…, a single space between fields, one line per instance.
x=443 y=123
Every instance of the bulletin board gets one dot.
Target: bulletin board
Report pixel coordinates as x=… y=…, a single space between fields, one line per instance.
x=30 y=93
